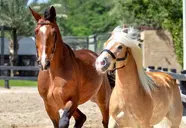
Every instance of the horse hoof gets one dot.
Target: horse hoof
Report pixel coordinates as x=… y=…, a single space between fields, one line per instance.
x=105 y=125
x=63 y=122
x=79 y=123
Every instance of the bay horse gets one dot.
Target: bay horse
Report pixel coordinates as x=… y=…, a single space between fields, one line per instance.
x=139 y=99
x=67 y=79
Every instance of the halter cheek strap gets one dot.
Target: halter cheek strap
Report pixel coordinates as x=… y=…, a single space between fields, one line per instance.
x=110 y=53
x=117 y=59
x=122 y=59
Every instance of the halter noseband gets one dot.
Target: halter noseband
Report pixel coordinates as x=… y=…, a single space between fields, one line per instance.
x=53 y=48
x=117 y=59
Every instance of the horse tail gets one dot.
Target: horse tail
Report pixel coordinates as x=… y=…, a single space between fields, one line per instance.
x=111 y=77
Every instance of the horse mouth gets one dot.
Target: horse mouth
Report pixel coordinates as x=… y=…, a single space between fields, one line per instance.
x=105 y=68
x=102 y=69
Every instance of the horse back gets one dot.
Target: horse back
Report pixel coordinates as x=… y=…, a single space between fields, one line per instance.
x=163 y=79
x=86 y=56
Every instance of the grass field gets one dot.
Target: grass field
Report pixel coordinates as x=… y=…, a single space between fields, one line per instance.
x=19 y=83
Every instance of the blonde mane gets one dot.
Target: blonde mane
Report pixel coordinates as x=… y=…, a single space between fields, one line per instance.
x=129 y=36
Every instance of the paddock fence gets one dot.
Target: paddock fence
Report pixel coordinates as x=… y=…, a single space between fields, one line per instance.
x=5 y=75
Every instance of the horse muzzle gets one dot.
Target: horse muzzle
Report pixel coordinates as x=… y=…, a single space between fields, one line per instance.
x=102 y=64
x=45 y=65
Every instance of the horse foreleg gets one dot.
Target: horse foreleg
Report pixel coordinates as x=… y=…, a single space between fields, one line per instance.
x=52 y=113
x=105 y=114
x=67 y=113
x=80 y=118
x=102 y=99
x=112 y=123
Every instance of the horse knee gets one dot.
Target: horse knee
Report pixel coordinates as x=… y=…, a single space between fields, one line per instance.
x=64 y=122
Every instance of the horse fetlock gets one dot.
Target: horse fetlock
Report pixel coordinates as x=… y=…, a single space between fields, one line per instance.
x=79 y=122
x=64 y=122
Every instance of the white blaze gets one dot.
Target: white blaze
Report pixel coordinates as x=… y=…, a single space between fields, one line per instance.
x=43 y=55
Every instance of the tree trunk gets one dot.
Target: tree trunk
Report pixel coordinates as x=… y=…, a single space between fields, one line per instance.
x=13 y=53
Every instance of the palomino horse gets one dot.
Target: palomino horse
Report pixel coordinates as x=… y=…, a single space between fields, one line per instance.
x=67 y=79
x=140 y=99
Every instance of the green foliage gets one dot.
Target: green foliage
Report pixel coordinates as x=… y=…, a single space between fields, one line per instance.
x=15 y=14
x=87 y=17
x=166 y=14
x=80 y=17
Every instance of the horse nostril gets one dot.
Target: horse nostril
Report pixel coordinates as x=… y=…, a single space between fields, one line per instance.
x=47 y=64
x=103 y=62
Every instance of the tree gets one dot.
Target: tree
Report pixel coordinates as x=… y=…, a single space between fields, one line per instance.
x=80 y=17
x=60 y=10
x=15 y=14
x=166 y=14
x=86 y=17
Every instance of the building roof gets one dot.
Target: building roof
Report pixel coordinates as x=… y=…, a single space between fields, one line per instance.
x=26 y=46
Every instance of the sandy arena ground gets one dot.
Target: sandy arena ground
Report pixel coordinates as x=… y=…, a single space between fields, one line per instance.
x=22 y=107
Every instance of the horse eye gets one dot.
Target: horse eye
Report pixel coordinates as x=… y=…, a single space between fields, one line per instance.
x=36 y=31
x=119 y=47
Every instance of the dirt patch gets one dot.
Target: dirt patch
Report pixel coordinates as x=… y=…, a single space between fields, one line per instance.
x=22 y=107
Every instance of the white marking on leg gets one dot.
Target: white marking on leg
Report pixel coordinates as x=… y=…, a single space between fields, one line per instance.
x=120 y=115
x=112 y=123
x=60 y=111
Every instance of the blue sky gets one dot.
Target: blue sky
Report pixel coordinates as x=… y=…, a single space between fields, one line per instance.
x=40 y=1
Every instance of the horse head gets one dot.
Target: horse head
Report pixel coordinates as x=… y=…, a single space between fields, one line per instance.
x=47 y=35
x=115 y=51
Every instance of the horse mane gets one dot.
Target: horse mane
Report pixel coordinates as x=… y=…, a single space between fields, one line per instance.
x=70 y=50
x=129 y=37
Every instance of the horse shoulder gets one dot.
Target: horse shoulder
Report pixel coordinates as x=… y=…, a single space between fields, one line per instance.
x=43 y=83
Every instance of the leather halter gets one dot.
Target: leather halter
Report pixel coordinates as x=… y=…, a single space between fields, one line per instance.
x=117 y=59
x=53 y=48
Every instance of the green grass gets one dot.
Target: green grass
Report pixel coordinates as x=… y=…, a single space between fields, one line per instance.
x=19 y=83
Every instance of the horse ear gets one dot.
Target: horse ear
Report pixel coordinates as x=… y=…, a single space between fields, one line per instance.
x=35 y=15
x=53 y=11
x=50 y=14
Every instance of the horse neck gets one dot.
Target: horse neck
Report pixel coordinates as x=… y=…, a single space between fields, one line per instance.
x=127 y=79
x=63 y=58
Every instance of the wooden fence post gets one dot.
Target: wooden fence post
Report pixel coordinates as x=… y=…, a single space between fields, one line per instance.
x=165 y=69
x=173 y=70
x=151 y=67
x=95 y=43
x=5 y=73
x=159 y=68
x=183 y=87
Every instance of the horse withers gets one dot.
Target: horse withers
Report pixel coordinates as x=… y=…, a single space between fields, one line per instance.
x=67 y=79
x=140 y=99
